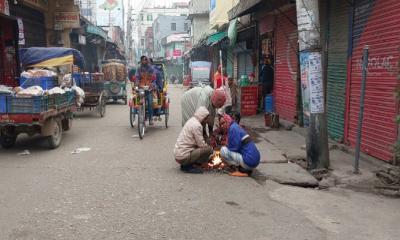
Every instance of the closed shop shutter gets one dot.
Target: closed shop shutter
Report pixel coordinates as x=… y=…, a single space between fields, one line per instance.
x=337 y=67
x=285 y=90
x=34 y=25
x=245 y=64
x=376 y=23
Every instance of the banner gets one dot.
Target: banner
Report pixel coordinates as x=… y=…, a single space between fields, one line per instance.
x=21 y=34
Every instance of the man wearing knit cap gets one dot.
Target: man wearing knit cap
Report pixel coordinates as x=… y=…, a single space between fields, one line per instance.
x=204 y=96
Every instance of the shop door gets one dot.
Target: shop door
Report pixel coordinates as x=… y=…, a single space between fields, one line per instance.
x=376 y=24
x=285 y=90
x=34 y=25
x=245 y=64
x=337 y=67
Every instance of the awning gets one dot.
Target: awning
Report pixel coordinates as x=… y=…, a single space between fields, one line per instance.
x=216 y=38
x=250 y=6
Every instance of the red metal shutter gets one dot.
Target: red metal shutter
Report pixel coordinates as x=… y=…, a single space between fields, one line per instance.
x=286 y=66
x=377 y=24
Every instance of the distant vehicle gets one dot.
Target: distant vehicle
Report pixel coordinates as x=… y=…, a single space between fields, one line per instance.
x=115 y=76
x=201 y=73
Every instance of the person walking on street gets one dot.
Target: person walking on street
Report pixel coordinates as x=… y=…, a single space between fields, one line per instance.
x=203 y=96
x=191 y=147
x=145 y=76
x=241 y=151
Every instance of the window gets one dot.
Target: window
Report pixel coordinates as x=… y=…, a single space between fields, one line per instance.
x=186 y=27
x=142 y=42
x=184 y=15
x=173 y=26
x=149 y=17
x=141 y=17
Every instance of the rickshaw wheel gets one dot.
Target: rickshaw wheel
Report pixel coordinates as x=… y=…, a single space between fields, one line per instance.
x=102 y=105
x=166 y=117
x=7 y=141
x=132 y=116
x=141 y=121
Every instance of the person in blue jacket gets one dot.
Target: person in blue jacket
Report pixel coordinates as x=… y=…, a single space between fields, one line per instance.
x=240 y=151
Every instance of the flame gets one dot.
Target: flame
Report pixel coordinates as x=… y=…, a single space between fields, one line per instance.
x=216 y=162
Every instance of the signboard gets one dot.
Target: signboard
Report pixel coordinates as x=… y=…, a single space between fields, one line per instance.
x=82 y=40
x=4 y=8
x=177 y=53
x=249 y=100
x=44 y=4
x=21 y=34
x=67 y=19
x=96 y=30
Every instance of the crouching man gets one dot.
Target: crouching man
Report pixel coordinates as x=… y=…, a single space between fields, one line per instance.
x=241 y=150
x=191 y=148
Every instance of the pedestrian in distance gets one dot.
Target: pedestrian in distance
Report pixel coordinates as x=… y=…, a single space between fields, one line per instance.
x=241 y=151
x=191 y=148
x=202 y=96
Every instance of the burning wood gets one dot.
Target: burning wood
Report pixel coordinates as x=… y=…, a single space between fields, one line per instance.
x=216 y=162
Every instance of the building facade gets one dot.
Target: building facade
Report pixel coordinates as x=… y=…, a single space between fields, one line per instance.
x=165 y=26
x=144 y=19
x=199 y=13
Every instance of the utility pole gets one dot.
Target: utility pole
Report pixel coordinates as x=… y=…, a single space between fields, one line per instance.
x=312 y=83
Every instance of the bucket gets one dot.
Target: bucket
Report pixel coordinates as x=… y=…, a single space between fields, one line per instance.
x=269 y=103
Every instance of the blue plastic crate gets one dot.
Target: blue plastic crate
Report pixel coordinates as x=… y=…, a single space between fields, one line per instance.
x=27 y=105
x=3 y=103
x=82 y=79
x=44 y=82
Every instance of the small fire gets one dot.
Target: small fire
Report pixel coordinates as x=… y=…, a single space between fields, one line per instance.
x=216 y=162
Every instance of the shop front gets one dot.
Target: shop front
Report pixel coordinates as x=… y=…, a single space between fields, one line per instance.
x=286 y=66
x=376 y=24
x=33 y=24
x=9 y=68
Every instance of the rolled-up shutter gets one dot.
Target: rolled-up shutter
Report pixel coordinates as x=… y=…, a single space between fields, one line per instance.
x=376 y=24
x=286 y=60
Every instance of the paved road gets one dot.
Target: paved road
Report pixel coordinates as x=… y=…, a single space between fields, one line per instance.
x=124 y=188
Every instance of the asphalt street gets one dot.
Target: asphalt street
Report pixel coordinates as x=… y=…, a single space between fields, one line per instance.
x=127 y=188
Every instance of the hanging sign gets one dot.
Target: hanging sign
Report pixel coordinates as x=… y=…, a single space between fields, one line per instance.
x=21 y=34
x=67 y=19
x=4 y=8
x=82 y=40
x=177 y=53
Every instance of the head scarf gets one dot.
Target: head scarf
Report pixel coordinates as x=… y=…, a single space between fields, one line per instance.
x=218 y=98
x=201 y=113
x=228 y=119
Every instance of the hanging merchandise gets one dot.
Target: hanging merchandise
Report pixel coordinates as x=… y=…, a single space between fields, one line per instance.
x=232 y=32
x=376 y=24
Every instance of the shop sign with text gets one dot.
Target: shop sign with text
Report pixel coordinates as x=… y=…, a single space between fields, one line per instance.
x=67 y=19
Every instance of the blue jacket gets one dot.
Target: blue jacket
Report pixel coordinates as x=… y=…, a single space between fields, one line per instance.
x=249 y=152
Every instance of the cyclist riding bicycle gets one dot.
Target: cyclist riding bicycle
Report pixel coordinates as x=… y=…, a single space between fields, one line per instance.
x=146 y=79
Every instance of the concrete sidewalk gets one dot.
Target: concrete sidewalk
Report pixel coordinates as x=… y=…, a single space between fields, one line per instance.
x=282 y=149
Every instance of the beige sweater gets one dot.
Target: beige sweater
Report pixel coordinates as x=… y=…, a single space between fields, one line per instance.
x=191 y=136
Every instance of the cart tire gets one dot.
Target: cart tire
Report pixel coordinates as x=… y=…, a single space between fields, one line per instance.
x=166 y=117
x=7 y=141
x=132 y=117
x=141 y=121
x=55 y=139
x=102 y=105
x=66 y=124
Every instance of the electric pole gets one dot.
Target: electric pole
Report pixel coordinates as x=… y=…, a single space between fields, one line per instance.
x=312 y=83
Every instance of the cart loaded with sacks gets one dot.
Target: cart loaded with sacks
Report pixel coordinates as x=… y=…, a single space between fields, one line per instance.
x=39 y=106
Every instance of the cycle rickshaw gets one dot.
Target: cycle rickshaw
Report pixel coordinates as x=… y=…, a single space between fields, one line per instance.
x=138 y=106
